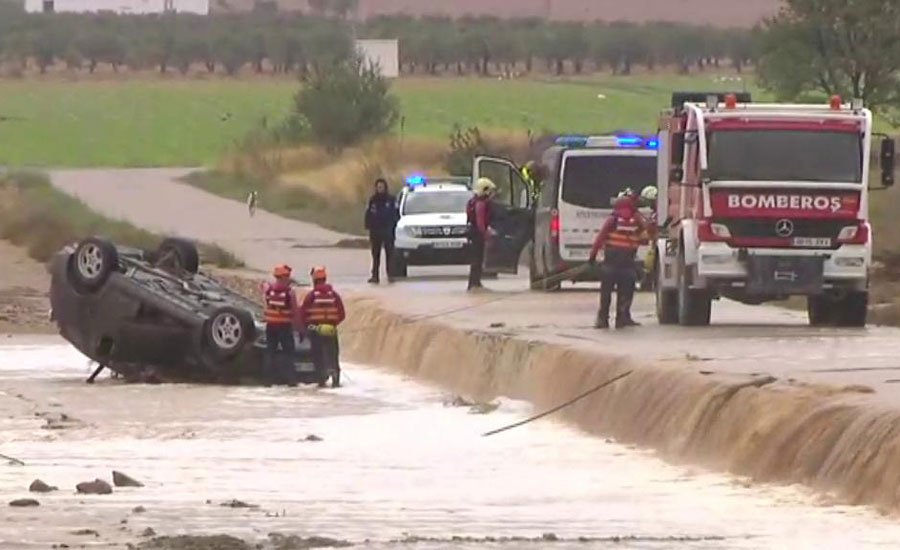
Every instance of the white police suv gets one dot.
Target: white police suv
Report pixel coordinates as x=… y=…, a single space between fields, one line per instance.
x=432 y=227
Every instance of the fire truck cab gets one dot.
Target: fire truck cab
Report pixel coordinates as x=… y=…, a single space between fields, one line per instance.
x=759 y=202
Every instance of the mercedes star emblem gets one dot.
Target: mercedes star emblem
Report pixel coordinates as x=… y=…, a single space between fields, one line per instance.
x=784 y=228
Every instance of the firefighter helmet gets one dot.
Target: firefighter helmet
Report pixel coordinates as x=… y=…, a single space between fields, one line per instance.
x=484 y=186
x=318 y=273
x=282 y=270
x=649 y=193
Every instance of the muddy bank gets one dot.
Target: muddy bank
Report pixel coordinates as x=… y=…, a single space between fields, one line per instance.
x=24 y=302
x=835 y=440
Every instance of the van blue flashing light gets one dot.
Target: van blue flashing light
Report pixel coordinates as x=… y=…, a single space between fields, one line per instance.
x=415 y=180
x=629 y=141
x=652 y=143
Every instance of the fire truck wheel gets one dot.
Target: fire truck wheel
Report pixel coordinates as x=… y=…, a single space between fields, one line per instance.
x=694 y=305
x=666 y=302
x=820 y=310
x=852 y=309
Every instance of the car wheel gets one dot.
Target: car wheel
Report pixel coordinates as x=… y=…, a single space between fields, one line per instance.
x=227 y=331
x=178 y=255
x=92 y=263
x=398 y=265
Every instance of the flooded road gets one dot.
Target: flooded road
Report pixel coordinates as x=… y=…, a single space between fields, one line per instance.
x=397 y=466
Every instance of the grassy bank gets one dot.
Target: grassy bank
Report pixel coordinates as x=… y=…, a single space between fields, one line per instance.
x=159 y=122
x=42 y=220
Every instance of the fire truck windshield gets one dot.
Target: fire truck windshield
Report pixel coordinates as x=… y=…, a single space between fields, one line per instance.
x=785 y=155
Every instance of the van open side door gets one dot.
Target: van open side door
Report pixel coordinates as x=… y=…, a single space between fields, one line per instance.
x=512 y=218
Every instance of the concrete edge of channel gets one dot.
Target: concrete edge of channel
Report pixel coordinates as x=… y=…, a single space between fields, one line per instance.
x=831 y=440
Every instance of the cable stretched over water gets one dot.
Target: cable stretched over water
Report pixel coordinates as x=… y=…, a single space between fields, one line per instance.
x=573 y=272
x=559 y=407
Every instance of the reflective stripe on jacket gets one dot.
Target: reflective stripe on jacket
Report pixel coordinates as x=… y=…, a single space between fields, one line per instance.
x=279 y=309
x=626 y=234
x=323 y=306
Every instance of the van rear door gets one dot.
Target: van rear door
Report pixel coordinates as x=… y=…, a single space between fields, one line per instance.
x=512 y=218
x=590 y=180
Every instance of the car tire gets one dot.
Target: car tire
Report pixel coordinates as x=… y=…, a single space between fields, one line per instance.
x=92 y=263
x=853 y=309
x=227 y=331
x=180 y=253
x=694 y=305
x=399 y=269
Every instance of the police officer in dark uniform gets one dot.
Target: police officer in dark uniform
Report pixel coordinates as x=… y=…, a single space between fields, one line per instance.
x=619 y=238
x=381 y=220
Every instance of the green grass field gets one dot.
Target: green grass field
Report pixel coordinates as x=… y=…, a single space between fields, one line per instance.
x=192 y=122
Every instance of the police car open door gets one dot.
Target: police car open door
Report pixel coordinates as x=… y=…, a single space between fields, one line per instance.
x=512 y=218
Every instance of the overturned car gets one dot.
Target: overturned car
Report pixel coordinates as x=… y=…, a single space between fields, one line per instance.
x=152 y=316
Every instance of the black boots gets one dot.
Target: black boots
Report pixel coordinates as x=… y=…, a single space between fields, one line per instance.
x=602 y=322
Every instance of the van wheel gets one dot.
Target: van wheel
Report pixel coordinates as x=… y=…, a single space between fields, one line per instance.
x=533 y=276
x=694 y=305
x=853 y=309
x=93 y=262
x=553 y=285
x=666 y=301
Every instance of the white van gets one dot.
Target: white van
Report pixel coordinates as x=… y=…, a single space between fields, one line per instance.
x=583 y=175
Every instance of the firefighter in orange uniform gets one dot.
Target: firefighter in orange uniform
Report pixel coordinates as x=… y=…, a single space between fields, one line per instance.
x=280 y=317
x=321 y=312
x=619 y=238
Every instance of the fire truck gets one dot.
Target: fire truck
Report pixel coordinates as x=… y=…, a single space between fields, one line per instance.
x=760 y=202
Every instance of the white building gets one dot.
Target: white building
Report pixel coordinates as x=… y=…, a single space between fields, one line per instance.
x=383 y=53
x=200 y=7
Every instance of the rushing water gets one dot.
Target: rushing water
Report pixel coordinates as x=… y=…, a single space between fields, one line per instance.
x=395 y=462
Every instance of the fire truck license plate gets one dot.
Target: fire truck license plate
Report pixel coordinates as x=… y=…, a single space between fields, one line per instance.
x=812 y=242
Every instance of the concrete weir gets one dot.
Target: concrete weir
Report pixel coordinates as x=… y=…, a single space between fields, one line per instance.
x=836 y=440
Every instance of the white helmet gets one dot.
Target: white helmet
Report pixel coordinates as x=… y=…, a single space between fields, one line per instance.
x=649 y=193
x=484 y=186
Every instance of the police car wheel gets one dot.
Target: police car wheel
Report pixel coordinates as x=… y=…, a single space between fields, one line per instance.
x=398 y=265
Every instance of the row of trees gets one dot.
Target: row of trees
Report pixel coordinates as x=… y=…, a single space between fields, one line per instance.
x=478 y=44
x=835 y=47
x=269 y=41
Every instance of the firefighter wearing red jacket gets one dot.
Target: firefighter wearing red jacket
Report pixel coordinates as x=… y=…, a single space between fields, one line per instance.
x=619 y=238
x=280 y=316
x=478 y=218
x=321 y=312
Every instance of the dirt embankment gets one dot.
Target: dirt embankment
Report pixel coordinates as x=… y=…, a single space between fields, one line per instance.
x=834 y=440
x=23 y=293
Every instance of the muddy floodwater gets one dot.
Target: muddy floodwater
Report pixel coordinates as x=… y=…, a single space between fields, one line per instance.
x=397 y=466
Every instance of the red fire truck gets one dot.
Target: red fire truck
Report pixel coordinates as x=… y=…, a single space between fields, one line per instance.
x=758 y=202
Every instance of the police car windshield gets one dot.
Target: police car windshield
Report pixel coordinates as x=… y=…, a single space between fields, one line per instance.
x=592 y=181
x=441 y=202
x=785 y=155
